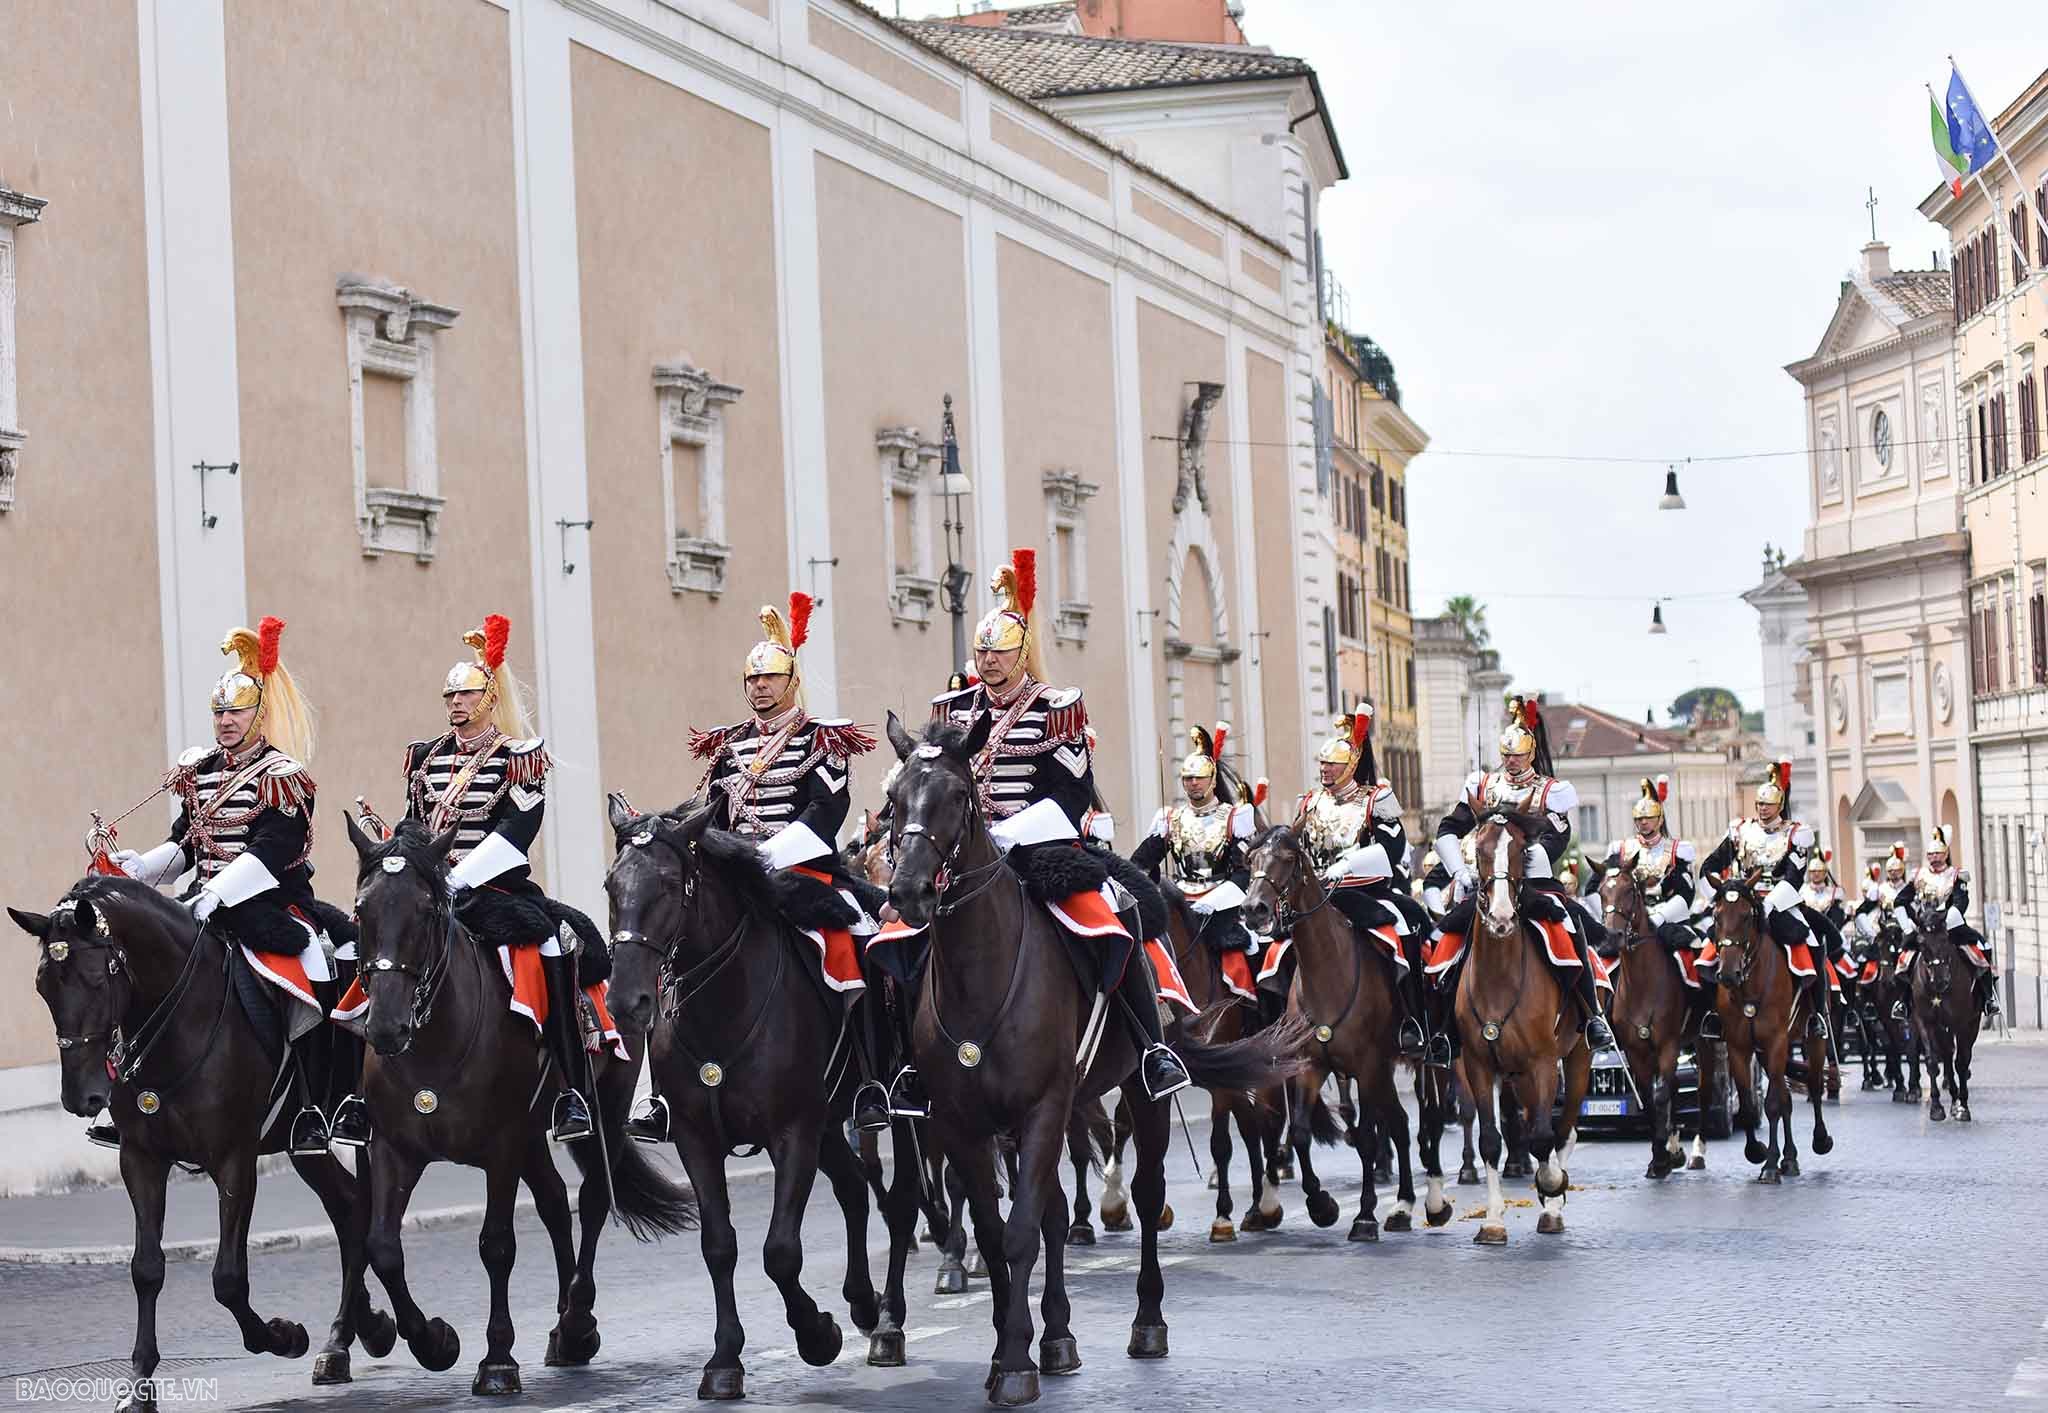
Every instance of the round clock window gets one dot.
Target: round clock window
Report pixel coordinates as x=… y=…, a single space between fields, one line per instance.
x=1881 y=439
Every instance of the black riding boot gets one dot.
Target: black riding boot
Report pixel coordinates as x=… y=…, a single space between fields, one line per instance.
x=1987 y=992
x=1598 y=1036
x=315 y=1052
x=101 y=1131
x=649 y=1121
x=350 y=1125
x=870 y=1100
x=1439 y=1004
x=565 y=1047
x=1159 y=1069
x=1410 y=1041
x=1816 y=988
x=1902 y=999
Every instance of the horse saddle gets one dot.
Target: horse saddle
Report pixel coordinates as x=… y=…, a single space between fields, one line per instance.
x=259 y=1004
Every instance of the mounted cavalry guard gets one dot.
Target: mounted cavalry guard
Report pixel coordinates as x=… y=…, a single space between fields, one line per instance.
x=781 y=778
x=1777 y=850
x=1940 y=881
x=1663 y=869
x=1035 y=779
x=1351 y=827
x=1200 y=844
x=1821 y=896
x=1523 y=787
x=486 y=778
x=245 y=829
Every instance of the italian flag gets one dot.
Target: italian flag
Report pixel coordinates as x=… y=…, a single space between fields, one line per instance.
x=1953 y=167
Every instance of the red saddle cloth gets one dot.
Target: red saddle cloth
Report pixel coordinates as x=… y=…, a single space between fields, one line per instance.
x=529 y=998
x=1237 y=975
x=1868 y=977
x=1905 y=961
x=838 y=953
x=1449 y=949
x=286 y=974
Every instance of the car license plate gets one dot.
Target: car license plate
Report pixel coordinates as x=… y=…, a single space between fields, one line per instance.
x=1604 y=1108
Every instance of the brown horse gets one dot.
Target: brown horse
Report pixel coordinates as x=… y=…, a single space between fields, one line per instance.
x=1944 y=1010
x=1648 y=1016
x=1346 y=1001
x=1513 y=1018
x=1761 y=1002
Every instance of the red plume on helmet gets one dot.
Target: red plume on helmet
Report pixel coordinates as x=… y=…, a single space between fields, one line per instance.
x=1531 y=716
x=1260 y=791
x=1025 y=562
x=1217 y=737
x=1663 y=788
x=1783 y=771
x=268 y=632
x=497 y=633
x=1827 y=856
x=1361 y=727
x=1899 y=852
x=800 y=606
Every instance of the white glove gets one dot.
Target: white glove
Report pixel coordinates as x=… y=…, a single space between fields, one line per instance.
x=129 y=862
x=1907 y=927
x=1866 y=926
x=1468 y=881
x=203 y=904
x=1954 y=918
x=160 y=865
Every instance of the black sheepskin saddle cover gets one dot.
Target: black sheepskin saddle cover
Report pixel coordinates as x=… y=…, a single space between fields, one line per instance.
x=799 y=900
x=1055 y=871
x=521 y=917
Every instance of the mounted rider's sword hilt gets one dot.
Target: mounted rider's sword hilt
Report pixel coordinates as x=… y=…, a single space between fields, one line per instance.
x=371 y=820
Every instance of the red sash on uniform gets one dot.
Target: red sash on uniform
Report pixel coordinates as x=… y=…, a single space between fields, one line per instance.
x=838 y=955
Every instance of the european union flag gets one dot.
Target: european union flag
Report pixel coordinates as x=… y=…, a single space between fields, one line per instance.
x=1968 y=133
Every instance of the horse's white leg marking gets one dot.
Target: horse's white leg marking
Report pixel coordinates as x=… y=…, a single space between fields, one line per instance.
x=1571 y=1146
x=1496 y=1205
x=1674 y=1145
x=1113 y=1194
x=1434 y=1200
x=1269 y=1201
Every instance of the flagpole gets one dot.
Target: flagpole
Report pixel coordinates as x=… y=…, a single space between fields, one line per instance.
x=2018 y=181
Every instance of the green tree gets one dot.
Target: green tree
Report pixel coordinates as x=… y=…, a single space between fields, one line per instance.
x=1715 y=700
x=1469 y=614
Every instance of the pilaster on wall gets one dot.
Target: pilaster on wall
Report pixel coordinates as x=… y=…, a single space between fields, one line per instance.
x=1143 y=783
x=992 y=537
x=551 y=330
x=197 y=402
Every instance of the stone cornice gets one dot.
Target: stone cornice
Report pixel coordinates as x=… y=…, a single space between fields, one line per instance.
x=1906 y=554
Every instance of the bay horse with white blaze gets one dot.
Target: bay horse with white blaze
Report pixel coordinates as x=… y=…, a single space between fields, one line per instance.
x=455 y=1075
x=1760 y=1002
x=148 y=1027
x=1002 y=1011
x=1945 y=1011
x=1513 y=1022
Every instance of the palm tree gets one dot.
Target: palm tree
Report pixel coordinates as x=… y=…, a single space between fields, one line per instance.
x=1469 y=614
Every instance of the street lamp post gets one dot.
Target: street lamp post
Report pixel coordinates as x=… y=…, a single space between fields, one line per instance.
x=955 y=487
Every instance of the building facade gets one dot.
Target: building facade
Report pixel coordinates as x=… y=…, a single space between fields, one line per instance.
x=1995 y=407
x=623 y=320
x=1460 y=698
x=1607 y=757
x=1784 y=633
x=1883 y=568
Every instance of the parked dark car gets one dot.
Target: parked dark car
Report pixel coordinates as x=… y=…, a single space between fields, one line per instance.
x=1612 y=1109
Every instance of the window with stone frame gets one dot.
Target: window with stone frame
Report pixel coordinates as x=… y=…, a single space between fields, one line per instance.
x=17 y=209
x=1066 y=516
x=390 y=334
x=691 y=405
x=910 y=477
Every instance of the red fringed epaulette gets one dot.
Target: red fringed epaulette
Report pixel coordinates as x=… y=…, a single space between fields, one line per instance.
x=843 y=739
x=1068 y=723
x=527 y=763
x=706 y=744
x=286 y=785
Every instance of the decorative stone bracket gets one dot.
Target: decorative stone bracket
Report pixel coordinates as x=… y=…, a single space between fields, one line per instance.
x=909 y=470
x=692 y=408
x=391 y=334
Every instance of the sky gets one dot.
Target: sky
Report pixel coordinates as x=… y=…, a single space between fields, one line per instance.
x=1602 y=230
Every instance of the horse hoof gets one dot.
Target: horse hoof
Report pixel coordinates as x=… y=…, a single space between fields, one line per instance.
x=1899 y=1097
x=1870 y=1083
x=1755 y=1152
x=571 y=1348
x=1656 y=1170
x=495 y=1379
x=1081 y=1234
x=1823 y=1144
x=1147 y=1342
x=1364 y=1229
x=1550 y=1224
x=1962 y=1117
x=1769 y=1177
x=1221 y=1230
x=330 y=1366
x=823 y=1344
x=1118 y=1220
x=1322 y=1208
x=1398 y=1221
x=1515 y=1168
x=1165 y=1215
x=1935 y=1113
x=380 y=1336
x=1493 y=1234
x=952 y=1280
x=1014 y=1388
x=288 y=1339
x=437 y=1347
x=722 y=1385
x=977 y=1269
x=1268 y=1221
x=1059 y=1357
x=1254 y=1220
x=885 y=1349
x=1468 y=1176
x=1697 y=1165
x=1913 y=1095
x=1790 y=1167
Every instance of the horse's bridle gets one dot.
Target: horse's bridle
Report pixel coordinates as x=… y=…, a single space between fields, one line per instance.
x=125 y=1054
x=427 y=979
x=1285 y=917
x=1749 y=947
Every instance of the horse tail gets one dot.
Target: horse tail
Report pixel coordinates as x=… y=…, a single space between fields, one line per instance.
x=1259 y=1061
x=650 y=1204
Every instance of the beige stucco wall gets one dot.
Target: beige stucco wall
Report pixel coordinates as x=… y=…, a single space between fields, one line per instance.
x=1283 y=675
x=375 y=137
x=78 y=562
x=1059 y=413
x=894 y=321
x=661 y=280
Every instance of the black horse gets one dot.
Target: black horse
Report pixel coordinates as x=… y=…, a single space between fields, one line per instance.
x=750 y=1050
x=451 y=1066
x=1002 y=1009
x=147 y=1024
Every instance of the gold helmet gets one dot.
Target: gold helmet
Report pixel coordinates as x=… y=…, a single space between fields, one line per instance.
x=1776 y=785
x=1895 y=865
x=775 y=654
x=1013 y=624
x=1937 y=844
x=485 y=671
x=1337 y=750
x=259 y=679
x=1817 y=866
x=1200 y=763
x=1651 y=803
x=1350 y=745
x=1518 y=736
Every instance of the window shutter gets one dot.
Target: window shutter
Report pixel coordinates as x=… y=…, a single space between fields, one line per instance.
x=1977 y=683
x=2037 y=626
x=1322 y=429
x=1991 y=645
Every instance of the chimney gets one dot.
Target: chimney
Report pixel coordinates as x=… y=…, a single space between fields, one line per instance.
x=1877 y=260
